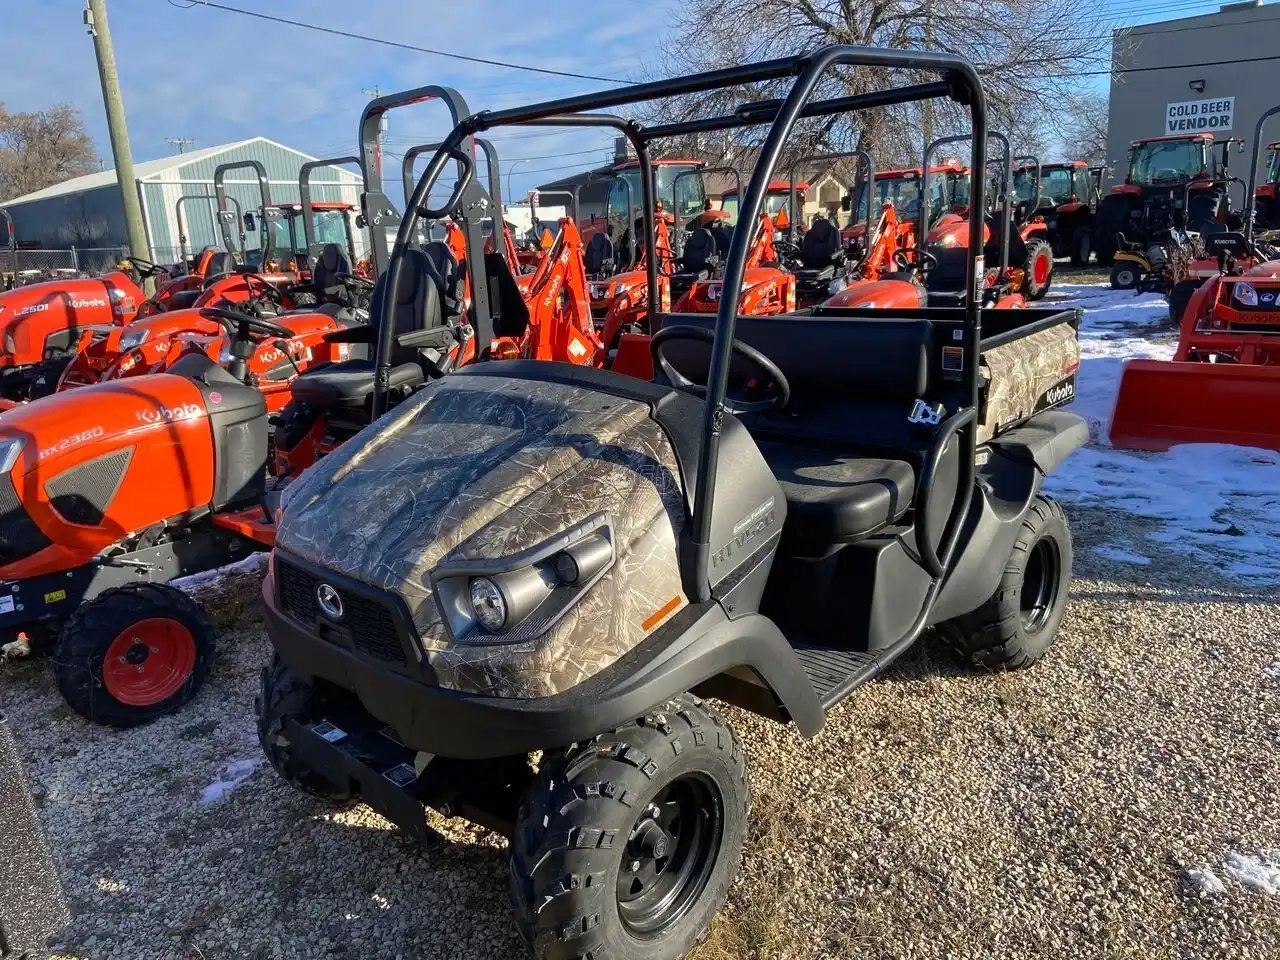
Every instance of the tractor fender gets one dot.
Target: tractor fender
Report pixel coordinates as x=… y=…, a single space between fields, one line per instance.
x=902 y=294
x=43 y=318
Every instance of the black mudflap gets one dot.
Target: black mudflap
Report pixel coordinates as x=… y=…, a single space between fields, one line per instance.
x=401 y=783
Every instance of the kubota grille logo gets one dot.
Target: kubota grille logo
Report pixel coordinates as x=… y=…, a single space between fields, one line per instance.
x=187 y=411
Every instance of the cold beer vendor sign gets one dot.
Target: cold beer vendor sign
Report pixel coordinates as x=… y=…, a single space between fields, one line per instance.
x=1200 y=116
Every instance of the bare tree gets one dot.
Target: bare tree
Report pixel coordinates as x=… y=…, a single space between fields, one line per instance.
x=1028 y=52
x=1085 y=128
x=40 y=149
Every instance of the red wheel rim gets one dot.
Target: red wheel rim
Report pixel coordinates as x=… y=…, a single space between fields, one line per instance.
x=1041 y=269
x=148 y=662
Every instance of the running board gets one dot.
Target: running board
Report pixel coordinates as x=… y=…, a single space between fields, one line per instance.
x=836 y=673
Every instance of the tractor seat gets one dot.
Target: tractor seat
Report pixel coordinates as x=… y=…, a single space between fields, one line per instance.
x=599 y=255
x=699 y=251
x=417 y=309
x=821 y=246
x=330 y=266
x=219 y=265
x=834 y=499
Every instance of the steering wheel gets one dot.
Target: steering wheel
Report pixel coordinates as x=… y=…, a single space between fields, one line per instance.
x=145 y=268
x=787 y=250
x=356 y=283
x=913 y=258
x=269 y=291
x=681 y=382
x=231 y=322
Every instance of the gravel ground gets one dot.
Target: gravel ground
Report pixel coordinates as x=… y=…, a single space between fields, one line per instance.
x=1090 y=807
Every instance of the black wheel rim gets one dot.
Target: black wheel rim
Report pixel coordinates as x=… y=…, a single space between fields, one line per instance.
x=1040 y=585
x=670 y=855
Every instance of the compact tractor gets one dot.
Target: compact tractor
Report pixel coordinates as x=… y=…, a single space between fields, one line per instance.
x=1223 y=384
x=509 y=598
x=1066 y=196
x=1174 y=183
x=1266 y=196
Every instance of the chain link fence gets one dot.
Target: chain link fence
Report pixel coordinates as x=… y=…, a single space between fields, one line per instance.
x=31 y=266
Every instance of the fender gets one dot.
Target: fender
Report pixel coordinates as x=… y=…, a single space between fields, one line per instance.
x=879 y=294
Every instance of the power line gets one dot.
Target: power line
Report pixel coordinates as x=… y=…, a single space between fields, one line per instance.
x=333 y=31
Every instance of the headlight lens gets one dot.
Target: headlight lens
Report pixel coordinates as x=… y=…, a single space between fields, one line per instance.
x=133 y=338
x=949 y=240
x=488 y=605
x=10 y=450
x=1246 y=294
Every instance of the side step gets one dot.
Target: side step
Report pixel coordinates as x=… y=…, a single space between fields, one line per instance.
x=836 y=673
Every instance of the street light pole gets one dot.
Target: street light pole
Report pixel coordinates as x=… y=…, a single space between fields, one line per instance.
x=511 y=170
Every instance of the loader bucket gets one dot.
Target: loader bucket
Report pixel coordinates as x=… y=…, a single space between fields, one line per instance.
x=1162 y=403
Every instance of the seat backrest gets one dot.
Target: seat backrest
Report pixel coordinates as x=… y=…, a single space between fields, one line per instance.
x=219 y=265
x=699 y=248
x=598 y=253
x=820 y=244
x=330 y=266
x=417 y=303
x=444 y=266
x=997 y=223
x=512 y=311
x=723 y=236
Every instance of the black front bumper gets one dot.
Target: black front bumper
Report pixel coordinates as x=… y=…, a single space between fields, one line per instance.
x=698 y=643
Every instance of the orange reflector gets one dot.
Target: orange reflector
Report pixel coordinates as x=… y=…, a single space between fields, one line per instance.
x=548 y=241
x=660 y=614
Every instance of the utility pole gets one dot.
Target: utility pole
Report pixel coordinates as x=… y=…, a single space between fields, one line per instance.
x=95 y=20
x=384 y=123
x=180 y=142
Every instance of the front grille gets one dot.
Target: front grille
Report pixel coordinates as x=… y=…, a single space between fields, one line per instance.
x=83 y=493
x=371 y=625
x=19 y=535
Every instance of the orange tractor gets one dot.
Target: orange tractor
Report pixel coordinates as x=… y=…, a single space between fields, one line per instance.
x=1066 y=199
x=1223 y=384
x=1266 y=196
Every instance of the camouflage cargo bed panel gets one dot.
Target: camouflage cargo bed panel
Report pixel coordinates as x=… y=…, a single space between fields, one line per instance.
x=1027 y=375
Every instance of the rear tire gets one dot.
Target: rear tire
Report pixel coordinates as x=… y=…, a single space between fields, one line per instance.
x=1180 y=297
x=1081 y=246
x=1038 y=269
x=1018 y=623
x=134 y=653
x=626 y=845
x=1125 y=276
x=284 y=696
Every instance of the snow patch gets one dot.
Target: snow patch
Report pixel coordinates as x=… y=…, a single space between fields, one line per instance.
x=229 y=777
x=1272 y=670
x=1204 y=881
x=250 y=564
x=1109 y=551
x=1217 y=504
x=1260 y=874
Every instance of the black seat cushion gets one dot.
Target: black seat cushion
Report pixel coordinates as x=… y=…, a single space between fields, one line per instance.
x=698 y=251
x=834 y=499
x=599 y=255
x=330 y=266
x=349 y=383
x=821 y=244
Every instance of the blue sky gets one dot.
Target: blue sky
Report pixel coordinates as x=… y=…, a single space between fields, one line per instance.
x=219 y=76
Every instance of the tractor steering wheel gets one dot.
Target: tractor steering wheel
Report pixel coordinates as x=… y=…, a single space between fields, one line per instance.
x=356 y=283
x=270 y=292
x=913 y=258
x=787 y=250
x=232 y=321
x=678 y=380
x=145 y=268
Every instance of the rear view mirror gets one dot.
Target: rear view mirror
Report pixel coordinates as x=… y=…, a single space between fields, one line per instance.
x=846 y=202
x=250 y=223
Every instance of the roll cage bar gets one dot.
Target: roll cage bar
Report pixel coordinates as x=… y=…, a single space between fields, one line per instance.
x=269 y=213
x=308 y=211
x=1252 y=215
x=977 y=186
x=11 y=242
x=870 y=181
x=183 y=252
x=958 y=81
x=1027 y=161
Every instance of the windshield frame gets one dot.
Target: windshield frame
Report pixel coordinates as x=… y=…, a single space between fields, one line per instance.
x=1141 y=157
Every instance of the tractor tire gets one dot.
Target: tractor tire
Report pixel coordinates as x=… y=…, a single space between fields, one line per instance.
x=626 y=845
x=1125 y=276
x=134 y=653
x=1038 y=269
x=1180 y=296
x=283 y=696
x=1081 y=246
x=1018 y=623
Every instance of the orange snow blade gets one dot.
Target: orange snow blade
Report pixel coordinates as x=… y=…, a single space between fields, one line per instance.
x=1162 y=403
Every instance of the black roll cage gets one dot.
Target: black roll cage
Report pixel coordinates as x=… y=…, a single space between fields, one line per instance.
x=11 y=243
x=1005 y=198
x=183 y=252
x=794 y=200
x=959 y=82
x=308 y=210
x=1252 y=190
x=225 y=216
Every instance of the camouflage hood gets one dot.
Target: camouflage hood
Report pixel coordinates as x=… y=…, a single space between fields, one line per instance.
x=482 y=467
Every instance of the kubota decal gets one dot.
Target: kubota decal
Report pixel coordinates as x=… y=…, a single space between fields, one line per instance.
x=188 y=411
x=1061 y=392
x=34 y=308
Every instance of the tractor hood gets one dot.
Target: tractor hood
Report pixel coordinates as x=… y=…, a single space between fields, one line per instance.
x=48 y=316
x=483 y=466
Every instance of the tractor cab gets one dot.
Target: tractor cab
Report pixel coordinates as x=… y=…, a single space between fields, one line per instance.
x=1266 y=195
x=330 y=222
x=1065 y=200
x=947 y=192
x=776 y=200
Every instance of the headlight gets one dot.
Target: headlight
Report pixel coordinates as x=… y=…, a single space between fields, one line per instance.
x=133 y=338
x=487 y=604
x=949 y=240
x=519 y=598
x=1245 y=294
x=10 y=450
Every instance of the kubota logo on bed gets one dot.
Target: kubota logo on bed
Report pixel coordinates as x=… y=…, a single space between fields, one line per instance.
x=187 y=411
